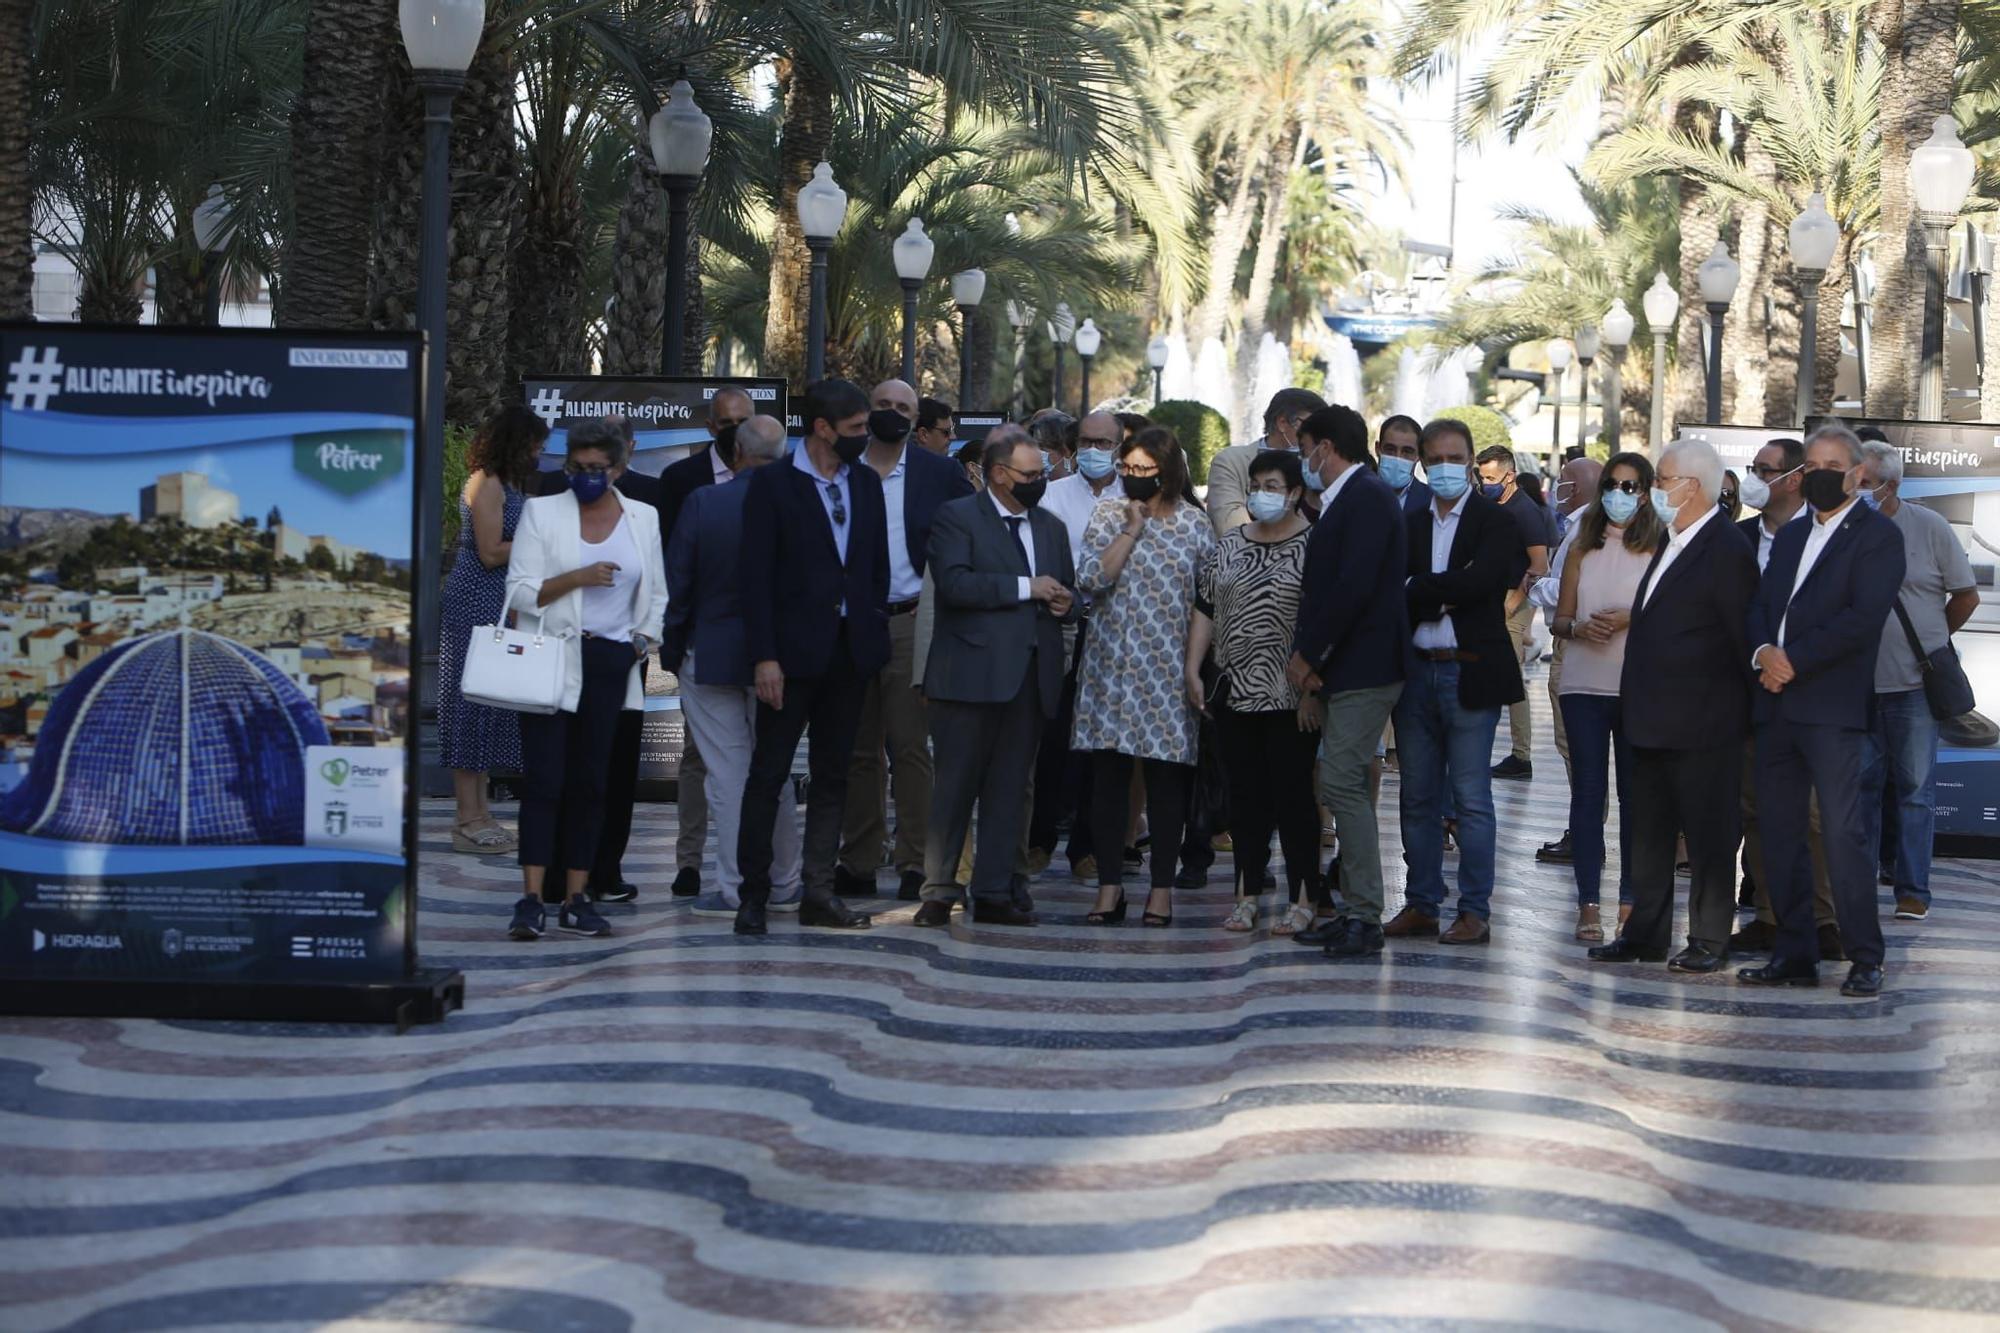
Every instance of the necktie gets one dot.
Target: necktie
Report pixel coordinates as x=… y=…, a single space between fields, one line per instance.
x=1021 y=540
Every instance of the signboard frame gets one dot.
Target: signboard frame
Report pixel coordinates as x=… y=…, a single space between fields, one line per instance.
x=769 y=395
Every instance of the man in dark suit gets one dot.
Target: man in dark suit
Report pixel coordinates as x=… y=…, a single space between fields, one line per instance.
x=1816 y=625
x=1396 y=452
x=815 y=588
x=709 y=465
x=1349 y=647
x=621 y=783
x=914 y=483
x=1686 y=694
x=1464 y=556
x=1003 y=584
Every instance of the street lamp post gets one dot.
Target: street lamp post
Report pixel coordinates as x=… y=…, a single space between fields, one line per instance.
x=681 y=134
x=211 y=235
x=1662 y=305
x=1087 y=339
x=822 y=208
x=1558 y=352
x=1813 y=238
x=1586 y=355
x=1020 y=316
x=1061 y=329
x=1717 y=279
x=1617 y=325
x=1156 y=357
x=1941 y=171
x=966 y=289
x=439 y=37
x=912 y=252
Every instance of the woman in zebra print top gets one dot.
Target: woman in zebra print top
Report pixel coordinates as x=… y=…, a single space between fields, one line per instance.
x=1247 y=606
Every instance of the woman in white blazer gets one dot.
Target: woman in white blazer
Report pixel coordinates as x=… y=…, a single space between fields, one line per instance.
x=587 y=561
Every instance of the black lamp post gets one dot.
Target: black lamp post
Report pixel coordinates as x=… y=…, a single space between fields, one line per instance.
x=211 y=233
x=681 y=134
x=912 y=253
x=1157 y=352
x=1717 y=277
x=822 y=208
x=1061 y=329
x=967 y=287
x=1087 y=339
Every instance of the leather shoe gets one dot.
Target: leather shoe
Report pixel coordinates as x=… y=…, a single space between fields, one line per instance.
x=1622 y=950
x=1556 y=853
x=1411 y=921
x=1756 y=937
x=846 y=884
x=687 y=884
x=1864 y=981
x=1779 y=972
x=934 y=914
x=1830 y=947
x=1000 y=914
x=1319 y=934
x=1358 y=939
x=750 y=919
x=833 y=914
x=624 y=891
x=1468 y=929
x=911 y=888
x=1697 y=958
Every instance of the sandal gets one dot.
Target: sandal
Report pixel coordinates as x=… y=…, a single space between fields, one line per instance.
x=1297 y=917
x=1151 y=918
x=477 y=838
x=1243 y=916
x=1588 y=928
x=1109 y=916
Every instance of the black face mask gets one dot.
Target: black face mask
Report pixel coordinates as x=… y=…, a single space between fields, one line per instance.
x=1141 y=488
x=888 y=425
x=1029 y=493
x=1824 y=489
x=725 y=445
x=850 y=447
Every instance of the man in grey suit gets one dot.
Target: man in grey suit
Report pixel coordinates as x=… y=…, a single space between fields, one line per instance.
x=1004 y=583
x=704 y=644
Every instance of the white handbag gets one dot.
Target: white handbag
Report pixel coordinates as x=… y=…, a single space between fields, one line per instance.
x=523 y=671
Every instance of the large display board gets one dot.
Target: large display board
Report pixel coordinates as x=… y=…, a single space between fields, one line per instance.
x=669 y=415
x=1954 y=468
x=206 y=674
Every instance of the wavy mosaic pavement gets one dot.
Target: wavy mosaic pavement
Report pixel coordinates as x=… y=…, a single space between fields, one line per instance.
x=1063 y=1128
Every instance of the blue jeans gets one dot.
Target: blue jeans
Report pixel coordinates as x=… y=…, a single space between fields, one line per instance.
x=1596 y=727
x=1438 y=742
x=1902 y=762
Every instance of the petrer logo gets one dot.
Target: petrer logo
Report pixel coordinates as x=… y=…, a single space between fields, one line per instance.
x=334 y=771
x=349 y=461
x=31 y=383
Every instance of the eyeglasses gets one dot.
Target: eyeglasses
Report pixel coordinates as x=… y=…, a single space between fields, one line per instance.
x=1127 y=470
x=1629 y=487
x=1098 y=442
x=839 y=509
x=1771 y=472
x=578 y=470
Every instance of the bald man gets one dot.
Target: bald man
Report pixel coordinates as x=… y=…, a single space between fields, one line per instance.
x=1576 y=489
x=915 y=482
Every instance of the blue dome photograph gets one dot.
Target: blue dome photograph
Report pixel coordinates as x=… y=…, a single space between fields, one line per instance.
x=179 y=738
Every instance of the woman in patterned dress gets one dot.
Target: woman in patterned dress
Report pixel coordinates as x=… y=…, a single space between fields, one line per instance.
x=1248 y=608
x=473 y=739
x=1143 y=553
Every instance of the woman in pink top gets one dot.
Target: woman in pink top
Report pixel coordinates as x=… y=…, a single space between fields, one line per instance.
x=1615 y=541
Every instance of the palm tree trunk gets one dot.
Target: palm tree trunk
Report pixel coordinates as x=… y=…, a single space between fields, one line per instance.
x=1225 y=251
x=1263 y=276
x=979 y=345
x=1989 y=379
x=638 y=277
x=694 y=311
x=17 y=199
x=545 y=282
x=803 y=143
x=1688 y=384
x=1920 y=55
x=1747 y=336
x=1782 y=347
x=179 y=296
x=337 y=141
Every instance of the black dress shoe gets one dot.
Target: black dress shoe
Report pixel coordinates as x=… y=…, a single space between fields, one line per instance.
x=934 y=914
x=1190 y=879
x=1320 y=933
x=1622 y=950
x=1779 y=972
x=847 y=885
x=1556 y=853
x=1513 y=768
x=1756 y=937
x=1358 y=939
x=1696 y=958
x=1000 y=914
x=749 y=920
x=687 y=884
x=832 y=914
x=1864 y=981
x=621 y=892
x=911 y=887
x=1830 y=948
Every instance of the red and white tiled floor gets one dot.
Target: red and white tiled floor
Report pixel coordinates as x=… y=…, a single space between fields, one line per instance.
x=1054 y=1128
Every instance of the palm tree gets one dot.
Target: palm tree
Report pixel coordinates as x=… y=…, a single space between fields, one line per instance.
x=17 y=195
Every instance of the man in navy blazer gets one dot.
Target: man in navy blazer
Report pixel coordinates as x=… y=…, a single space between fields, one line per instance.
x=704 y=643
x=815 y=592
x=1349 y=648
x=915 y=482
x=1815 y=627
x=1397 y=459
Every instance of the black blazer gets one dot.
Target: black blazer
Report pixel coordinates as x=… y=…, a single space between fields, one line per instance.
x=982 y=643
x=1835 y=620
x=1687 y=664
x=794 y=583
x=929 y=481
x=1475 y=584
x=679 y=481
x=1353 y=627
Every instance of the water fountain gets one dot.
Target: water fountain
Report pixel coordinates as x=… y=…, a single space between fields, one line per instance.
x=1273 y=372
x=1211 y=379
x=1177 y=380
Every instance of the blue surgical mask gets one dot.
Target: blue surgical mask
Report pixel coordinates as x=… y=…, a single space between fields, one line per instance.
x=1620 y=507
x=1447 y=480
x=1268 y=506
x=1870 y=497
x=589 y=487
x=1398 y=472
x=1096 y=463
x=1492 y=489
x=1667 y=512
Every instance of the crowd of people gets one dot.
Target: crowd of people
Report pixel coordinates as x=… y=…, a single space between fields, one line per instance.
x=1054 y=643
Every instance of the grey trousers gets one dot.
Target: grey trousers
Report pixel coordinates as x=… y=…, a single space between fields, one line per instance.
x=1354 y=722
x=723 y=720
x=985 y=757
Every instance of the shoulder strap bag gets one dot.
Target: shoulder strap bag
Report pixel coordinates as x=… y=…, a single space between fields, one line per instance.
x=1946 y=689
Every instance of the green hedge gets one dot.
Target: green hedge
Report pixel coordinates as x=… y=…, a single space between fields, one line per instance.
x=456 y=439
x=1488 y=426
x=1201 y=429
